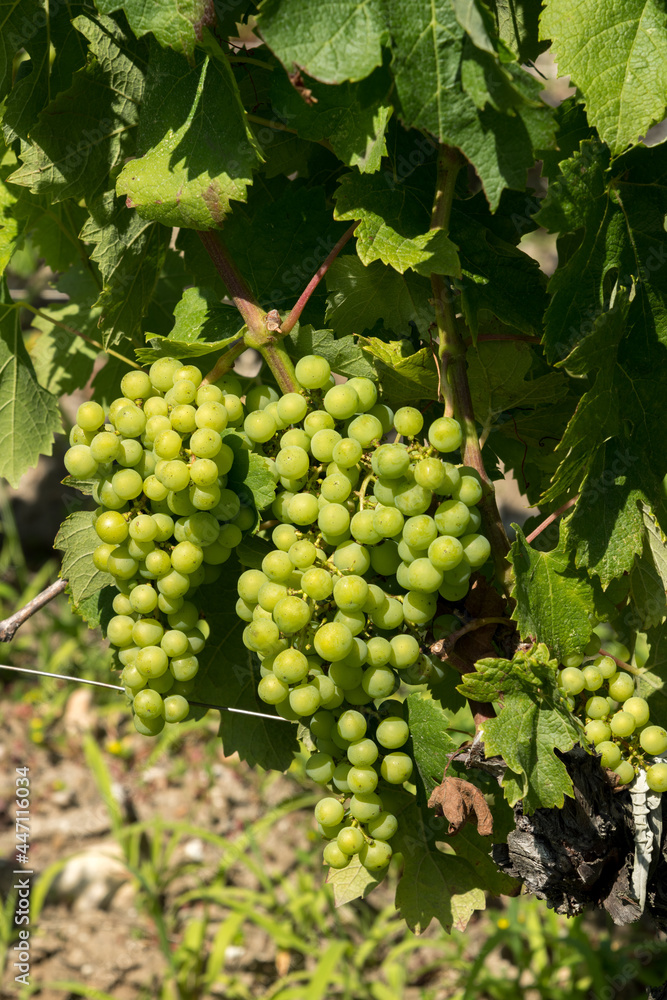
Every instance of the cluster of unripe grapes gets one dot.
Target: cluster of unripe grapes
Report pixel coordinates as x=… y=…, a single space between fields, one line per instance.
x=365 y=538
x=616 y=719
x=166 y=522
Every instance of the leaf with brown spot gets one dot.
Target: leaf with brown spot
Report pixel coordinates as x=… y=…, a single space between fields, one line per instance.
x=460 y=803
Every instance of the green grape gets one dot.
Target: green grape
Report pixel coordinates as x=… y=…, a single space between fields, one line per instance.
x=186 y=557
x=143 y=599
x=452 y=518
x=606 y=666
x=119 y=630
x=396 y=768
x=292 y=462
x=593 y=679
x=101 y=556
x=161 y=373
x=572 y=680
x=158 y=564
x=387 y=521
x=404 y=651
x=638 y=709
x=339 y=779
x=362 y=753
x=176 y=708
x=385 y=559
x=181 y=393
x=322 y=724
x=362 y=780
x=623 y=724
x=210 y=416
x=317 y=420
x=292 y=408
x=105 y=447
x=408 y=421
x=196 y=640
x=389 y=615
x=367 y=394
x=130 y=421
x=597 y=707
x=341 y=402
x=206 y=443
x=291 y=666
x=653 y=740
x=143 y=528
x=323 y=443
x=305 y=699
x=423 y=576
x=350 y=593
x=446 y=552
x=121 y=565
x=392 y=733
x=296 y=437
x=173 y=584
x=334 y=519
x=419 y=532
x=284 y=536
x=362 y=527
x=391 y=461
x=148 y=704
x=621 y=686
x=445 y=434
x=184 y=668
x=317 y=583
x=79 y=462
x=656 y=777
x=329 y=811
x=379 y=682
x=336 y=488
x=347 y=452
x=277 y=566
x=111 y=527
x=419 y=608
x=127 y=484
x=364 y=806
x=383 y=827
x=269 y=595
x=597 y=731
x=209 y=394
x=365 y=429
x=261 y=636
x=610 y=754
x=351 y=725
x=376 y=855
x=121 y=605
x=272 y=690
x=430 y=473
x=412 y=501
x=147 y=632
x=334 y=857
x=174 y=643
x=573 y=660
x=375 y=599
x=312 y=372
x=625 y=772
x=468 y=491
x=378 y=651
x=320 y=768
x=476 y=550
x=350 y=840
x=151 y=661
x=350 y=557
x=90 y=416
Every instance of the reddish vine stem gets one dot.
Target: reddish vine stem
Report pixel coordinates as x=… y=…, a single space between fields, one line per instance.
x=551 y=518
x=452 y=639
x=452 y=353
x=10 y=626
x=243 y=298
x=301 y=302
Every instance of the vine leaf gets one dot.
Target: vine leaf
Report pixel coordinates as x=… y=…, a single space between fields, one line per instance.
x=199 y=153
x=652 y=682
x=352 y=882
x=88 y=129
x=393 y=227
x=617 y=55
x=532 y=721
x=77 y=540
x=250 y=479
x=404 y=377
x=344 y=355
x=552 y=602
x=431 y=745
x=202 y=325
x=177 y=26
x=499 y=379
x=648 y=579
x=359 y=296
x=9 y=225
x=29 y=414
x=228 y=675
x=97 y=609
x=336 y=41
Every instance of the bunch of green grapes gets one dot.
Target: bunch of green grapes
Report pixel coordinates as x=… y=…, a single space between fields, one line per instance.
x=368 y=537
x=166 y=522
x=616 y=719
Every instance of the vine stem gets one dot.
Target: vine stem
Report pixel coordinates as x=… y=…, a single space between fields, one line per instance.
x=300 y=304
x=244 y=300
x=454 y=380
x=550 y=519
x=11 y=625
x=75 y=333
x=452 y=639
x=225 y=362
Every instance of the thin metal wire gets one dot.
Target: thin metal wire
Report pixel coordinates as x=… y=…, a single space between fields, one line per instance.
x=116 y=687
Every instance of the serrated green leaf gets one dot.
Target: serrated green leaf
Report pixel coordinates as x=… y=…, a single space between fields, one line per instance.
x=337 y=40
x=9 y=227
x=394 y=227
x=359 y=296
x=97 y=610
x=344 y=355
x=88 y=130
x=533 y=720
x=433 y=885
x=518 y=28
x=62 y=362
x=29 y=415
x=554 y=605
x=404 y=377
x=251 y=480
x=183 y=179
x=129 y=252
x=228 y=675
x=352 y=882
x=497 y=378
x=53 y=227
x=202 y=325
x=431 y=745
x=77 y=540
x=648 y=579
x=652 y=682
x=428 y=45
x=616 y=54
x=351 y=117
x=176 y=26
